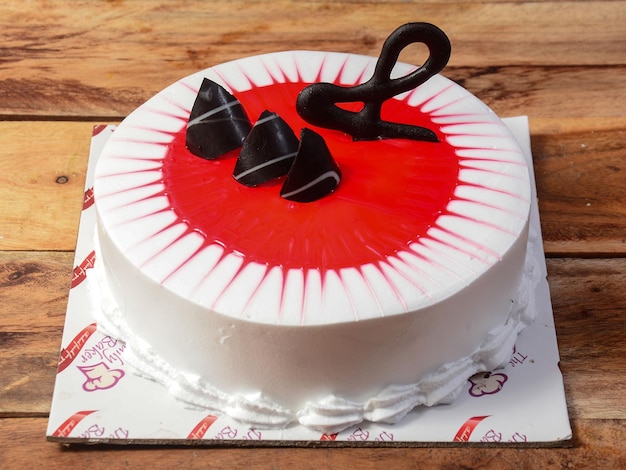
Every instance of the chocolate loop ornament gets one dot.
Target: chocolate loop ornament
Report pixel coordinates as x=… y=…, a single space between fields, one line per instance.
x=317 y=103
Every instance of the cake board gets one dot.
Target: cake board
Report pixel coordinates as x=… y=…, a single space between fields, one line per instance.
x=100 y=399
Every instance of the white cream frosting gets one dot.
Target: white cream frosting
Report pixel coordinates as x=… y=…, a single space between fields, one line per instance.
x=330 y=413
x=273 y=348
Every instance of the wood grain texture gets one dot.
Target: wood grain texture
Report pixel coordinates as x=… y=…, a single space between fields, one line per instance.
x=589 y=304
x=33 y=299
x=509 y=90
x=105 y=58
x=42 y=178
x=68 y=64
x=581 y=191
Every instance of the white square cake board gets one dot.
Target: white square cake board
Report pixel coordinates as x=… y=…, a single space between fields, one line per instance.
x=99 y=398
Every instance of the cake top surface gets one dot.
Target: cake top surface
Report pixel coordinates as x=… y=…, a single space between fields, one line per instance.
x=411 y=223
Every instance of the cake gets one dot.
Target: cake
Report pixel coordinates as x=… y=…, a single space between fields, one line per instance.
x=387 y=292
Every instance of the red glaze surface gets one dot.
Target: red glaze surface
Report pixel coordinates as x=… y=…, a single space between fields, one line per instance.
x=391 y=192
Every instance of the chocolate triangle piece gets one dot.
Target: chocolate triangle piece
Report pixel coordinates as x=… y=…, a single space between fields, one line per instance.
x=217 y=122
x=314 y=173
x=267 y=152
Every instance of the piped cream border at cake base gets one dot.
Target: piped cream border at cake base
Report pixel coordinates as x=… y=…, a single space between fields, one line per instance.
x=331 y=414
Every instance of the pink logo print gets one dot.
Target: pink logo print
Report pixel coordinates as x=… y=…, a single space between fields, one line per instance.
x=517 y=437
x=70 y=423
x=517 y=358
x=97 y=129
x=88 y=199
x=69 y=353
x=80 y=272
x=492 y=436
x=495 y=436
x=226 y=433
x=253 y=435
x=359 y=435
x=466 y=430
x=100 y=377
x=486 y=383
x=384 y=437
x=202 y=427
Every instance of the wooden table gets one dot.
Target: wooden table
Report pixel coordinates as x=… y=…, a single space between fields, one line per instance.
x=66 y=65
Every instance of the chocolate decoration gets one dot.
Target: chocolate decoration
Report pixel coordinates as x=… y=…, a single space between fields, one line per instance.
x=314 y=173
x=317 y=103
x=217 y=122
x=267 y=152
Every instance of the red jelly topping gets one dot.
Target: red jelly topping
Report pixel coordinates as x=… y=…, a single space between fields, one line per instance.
x=391 y=192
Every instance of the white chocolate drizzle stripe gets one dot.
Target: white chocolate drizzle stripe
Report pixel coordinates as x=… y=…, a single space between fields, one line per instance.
x=328 y=174
x=202 y=117
x=264 y=164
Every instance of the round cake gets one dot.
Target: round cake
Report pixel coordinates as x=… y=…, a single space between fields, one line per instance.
x=385 y=294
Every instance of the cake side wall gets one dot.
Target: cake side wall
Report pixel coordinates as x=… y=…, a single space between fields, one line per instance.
x=293 y=365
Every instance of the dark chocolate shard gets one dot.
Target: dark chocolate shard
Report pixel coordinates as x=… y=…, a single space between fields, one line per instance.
x=217 y=122
x=314 y=173
x=318 y=103
x=267 y=152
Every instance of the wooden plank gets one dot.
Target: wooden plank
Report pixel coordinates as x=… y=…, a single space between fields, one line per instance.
x=33 y=299
x=570 y=125
x=581 y=191
x=588 y=299
x=598 y=444
x=104 y=58
x=579 y=167
x=33 y=291
x=584 y=92
x=42 y=177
